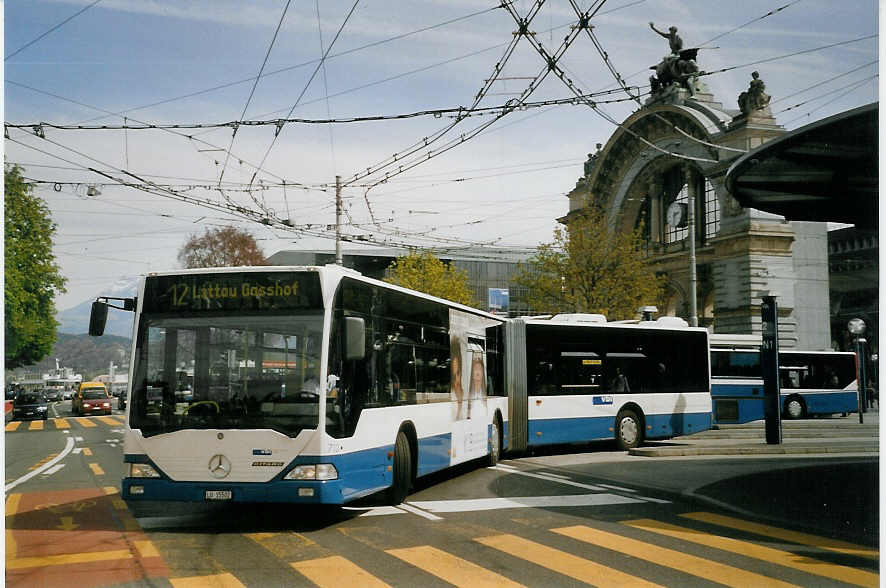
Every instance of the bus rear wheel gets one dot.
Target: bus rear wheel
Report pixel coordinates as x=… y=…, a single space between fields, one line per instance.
x=794 y=408
x=402 y=470
x=628 y=430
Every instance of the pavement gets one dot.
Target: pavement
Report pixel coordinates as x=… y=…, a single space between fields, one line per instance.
x=827 y=435
x=836 y=495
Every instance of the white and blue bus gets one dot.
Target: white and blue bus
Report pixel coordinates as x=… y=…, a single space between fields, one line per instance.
x=812 y=383
x=318 y=385
x=576 y=378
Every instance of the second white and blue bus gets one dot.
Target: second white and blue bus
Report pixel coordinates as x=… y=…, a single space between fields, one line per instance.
x=812 y=383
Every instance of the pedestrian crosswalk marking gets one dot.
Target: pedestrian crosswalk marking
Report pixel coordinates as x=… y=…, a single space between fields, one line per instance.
x=36 y=426
x=215 y=581
x=113 y=421
x=85 y=422
x=336 y=571
x=562 y=562
x=451 y=568
x=13 y=426
x=67 y=559
x=670 y=558
x=61 y=423
x=784 y=534
x=802 y=563
x=96 y=469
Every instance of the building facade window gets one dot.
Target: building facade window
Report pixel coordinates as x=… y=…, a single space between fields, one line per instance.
x=711 y=211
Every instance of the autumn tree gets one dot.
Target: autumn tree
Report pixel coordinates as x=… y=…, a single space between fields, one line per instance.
x=590 y=267
x=221 y=247
x=32 y=278
x=429 y=274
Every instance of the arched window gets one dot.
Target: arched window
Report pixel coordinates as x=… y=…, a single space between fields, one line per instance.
x=675 y=203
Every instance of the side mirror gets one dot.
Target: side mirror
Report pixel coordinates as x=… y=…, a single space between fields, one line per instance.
x=98 y=318
x=355 y=338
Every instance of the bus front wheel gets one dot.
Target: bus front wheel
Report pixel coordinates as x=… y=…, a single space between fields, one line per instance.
x=628 y=430
x=402 y=470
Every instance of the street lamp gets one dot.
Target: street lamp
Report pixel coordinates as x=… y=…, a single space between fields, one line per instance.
x=856 y=327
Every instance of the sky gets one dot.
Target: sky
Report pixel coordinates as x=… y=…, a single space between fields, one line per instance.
x=126 y=199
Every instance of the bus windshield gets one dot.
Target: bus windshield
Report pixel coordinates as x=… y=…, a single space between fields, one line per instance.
x=227 y=372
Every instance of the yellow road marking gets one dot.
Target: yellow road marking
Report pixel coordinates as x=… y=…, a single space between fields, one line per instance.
x=146 y=549
x=784 y=534
x=35 y=426
x=12 y=504
x=688 y=564
x=561 y=562
x=450 y=568
x=216 y=581
x=87 y=451
x=336 y=571
x=97 y=469
x=776 y=556
x=66 y=558
x=42 y=461
x=13 y=426
x=109 y=490
x=85 y=422
x=61 y=423
x=110 y=420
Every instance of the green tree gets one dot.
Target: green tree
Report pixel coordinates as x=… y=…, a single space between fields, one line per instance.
x=590 y=268
x=427 y=273
x=32 y=278
x=221 y=247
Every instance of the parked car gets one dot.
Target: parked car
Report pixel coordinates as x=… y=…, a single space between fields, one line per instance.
x=30 y=405
x=91 y=398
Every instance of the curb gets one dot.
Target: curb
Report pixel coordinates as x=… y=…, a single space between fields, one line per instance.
x=752 y=450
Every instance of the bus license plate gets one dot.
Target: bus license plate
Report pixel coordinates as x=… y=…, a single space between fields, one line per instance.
x=219 y=495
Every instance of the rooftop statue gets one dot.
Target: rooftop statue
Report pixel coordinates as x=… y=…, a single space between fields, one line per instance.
x=678 y=67
x=755 y=98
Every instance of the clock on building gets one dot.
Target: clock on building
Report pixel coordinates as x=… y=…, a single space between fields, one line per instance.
x=676 y=214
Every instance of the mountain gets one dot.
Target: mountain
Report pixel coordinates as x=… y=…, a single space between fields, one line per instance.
x=76 y=320
x=87 y=355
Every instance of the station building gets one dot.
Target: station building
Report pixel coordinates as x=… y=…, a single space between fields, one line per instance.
x=740 y=252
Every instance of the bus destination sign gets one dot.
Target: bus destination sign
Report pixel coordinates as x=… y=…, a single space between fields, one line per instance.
x=246 y=291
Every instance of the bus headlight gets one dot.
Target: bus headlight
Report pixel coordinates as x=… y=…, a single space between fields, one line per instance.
x=142 y=470
x=320 y=471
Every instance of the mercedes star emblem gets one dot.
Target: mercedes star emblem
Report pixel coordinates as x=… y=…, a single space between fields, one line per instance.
x=219 y=466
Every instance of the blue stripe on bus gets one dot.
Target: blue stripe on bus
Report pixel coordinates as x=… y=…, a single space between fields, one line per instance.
x=579 y=430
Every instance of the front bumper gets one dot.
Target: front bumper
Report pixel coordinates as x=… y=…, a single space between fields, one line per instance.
x=278 y=491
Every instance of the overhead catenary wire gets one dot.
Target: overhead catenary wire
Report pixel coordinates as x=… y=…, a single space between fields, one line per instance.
x=305 y=89
x=252 y=92
x=51 y=29
x=304 y=64
x=451 y=112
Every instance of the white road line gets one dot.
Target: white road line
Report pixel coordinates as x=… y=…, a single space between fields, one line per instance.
x=478 y=504
x=419 y=512
x=619 y=488
x=68 y=447
x=559 y=476
x=553 y=479
x=376 y=511
x=53 y=469
x=505 y=466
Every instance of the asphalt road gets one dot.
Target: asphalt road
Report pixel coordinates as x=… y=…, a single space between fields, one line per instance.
x=562 y=518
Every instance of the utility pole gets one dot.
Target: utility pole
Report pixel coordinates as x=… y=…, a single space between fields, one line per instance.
x=693 y=277
x=338 y=255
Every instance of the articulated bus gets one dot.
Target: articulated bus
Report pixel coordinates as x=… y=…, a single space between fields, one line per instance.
x=812 y=383
x=318 y=385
